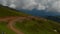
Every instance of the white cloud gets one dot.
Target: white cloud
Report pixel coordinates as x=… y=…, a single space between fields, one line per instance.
x=12 y=6
x=56 y=5
x=4 y=2
x=41 y=7
x=31 y=4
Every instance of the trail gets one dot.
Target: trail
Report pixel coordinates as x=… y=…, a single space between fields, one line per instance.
x=12 y=20
x=11 y=23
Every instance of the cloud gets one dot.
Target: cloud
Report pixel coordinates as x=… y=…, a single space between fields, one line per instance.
x=31 y=4
x=40 y=7
x=56 y=5
x=12 y=6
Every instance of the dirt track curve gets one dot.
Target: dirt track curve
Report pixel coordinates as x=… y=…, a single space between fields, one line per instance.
x=11 y=22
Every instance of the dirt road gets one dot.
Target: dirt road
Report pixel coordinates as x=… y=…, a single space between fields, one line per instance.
x=12 y=20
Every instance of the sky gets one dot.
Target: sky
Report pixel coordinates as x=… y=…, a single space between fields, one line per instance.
x=31 y=4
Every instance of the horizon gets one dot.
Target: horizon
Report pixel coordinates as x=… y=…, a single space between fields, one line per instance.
x=50 y=6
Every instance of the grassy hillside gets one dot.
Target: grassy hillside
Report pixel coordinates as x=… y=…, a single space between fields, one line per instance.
x=39 y=27
x=31 y=26
x=5 y=11
x=3 y=28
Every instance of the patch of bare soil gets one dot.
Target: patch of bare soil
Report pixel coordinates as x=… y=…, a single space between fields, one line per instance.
x=12 y=19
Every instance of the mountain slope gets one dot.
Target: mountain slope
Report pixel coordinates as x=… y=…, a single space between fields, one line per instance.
x=5 y=11
x=7 y=14
x=25 y=23
x=41 y=26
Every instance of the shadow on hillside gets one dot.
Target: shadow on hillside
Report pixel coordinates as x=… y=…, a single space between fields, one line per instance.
x=54 y=18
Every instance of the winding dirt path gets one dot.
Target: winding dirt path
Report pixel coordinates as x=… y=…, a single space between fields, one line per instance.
x=11 y=25
x=11 y=22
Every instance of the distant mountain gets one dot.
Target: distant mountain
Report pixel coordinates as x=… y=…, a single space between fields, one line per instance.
x=52 y=15
x=43 y=13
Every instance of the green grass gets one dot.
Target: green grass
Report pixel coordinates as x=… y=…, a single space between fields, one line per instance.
x=38 y=27
x=5 y=11
x=3 y=28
